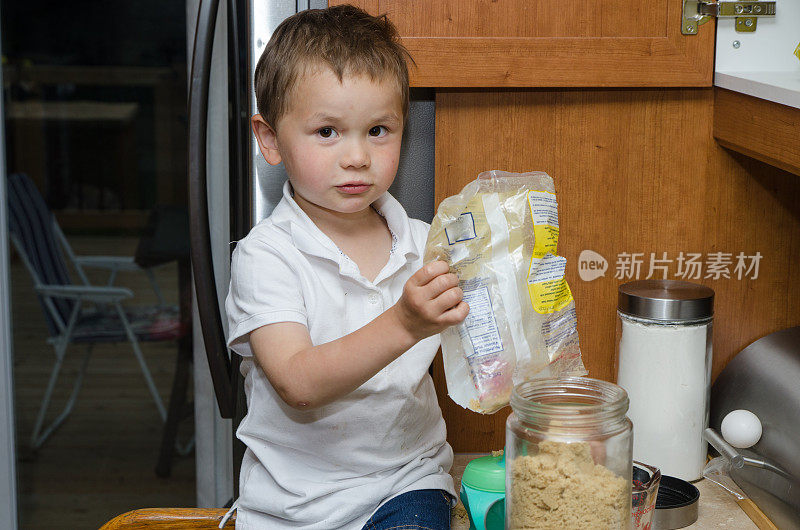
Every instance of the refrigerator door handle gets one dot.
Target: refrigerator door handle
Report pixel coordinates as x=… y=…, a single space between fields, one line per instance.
x=200 y=237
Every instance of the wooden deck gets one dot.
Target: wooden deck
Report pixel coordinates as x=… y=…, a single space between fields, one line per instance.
x=101 y=462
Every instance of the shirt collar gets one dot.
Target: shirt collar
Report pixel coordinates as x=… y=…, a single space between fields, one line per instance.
x=309 y=239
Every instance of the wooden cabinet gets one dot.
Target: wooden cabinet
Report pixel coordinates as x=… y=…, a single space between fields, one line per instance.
x=757 y=100
x=762 y=129
x=636 y=172
x=637 y=169
x=549 y=43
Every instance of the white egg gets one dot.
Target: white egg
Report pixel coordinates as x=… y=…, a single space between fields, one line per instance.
x=741 y=428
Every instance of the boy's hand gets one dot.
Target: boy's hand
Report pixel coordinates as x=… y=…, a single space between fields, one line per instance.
x=431 y=301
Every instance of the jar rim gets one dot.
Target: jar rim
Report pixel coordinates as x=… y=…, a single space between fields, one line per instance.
x=574 y=400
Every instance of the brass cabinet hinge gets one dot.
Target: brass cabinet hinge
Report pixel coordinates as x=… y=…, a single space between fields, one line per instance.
x=696 y=12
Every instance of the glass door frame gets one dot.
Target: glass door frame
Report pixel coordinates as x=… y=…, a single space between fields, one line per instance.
x=8 y=473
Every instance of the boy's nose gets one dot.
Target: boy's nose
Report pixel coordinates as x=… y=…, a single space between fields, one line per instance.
x=355 y=155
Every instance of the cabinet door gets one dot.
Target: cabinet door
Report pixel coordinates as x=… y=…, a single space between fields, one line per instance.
x=549 y=43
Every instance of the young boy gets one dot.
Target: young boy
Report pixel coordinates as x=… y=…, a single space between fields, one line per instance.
x=330 y=306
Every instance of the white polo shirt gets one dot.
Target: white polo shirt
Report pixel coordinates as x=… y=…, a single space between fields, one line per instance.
x=331 y=467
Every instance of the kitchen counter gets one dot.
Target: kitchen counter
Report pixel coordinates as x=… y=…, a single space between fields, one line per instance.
x=718 y=509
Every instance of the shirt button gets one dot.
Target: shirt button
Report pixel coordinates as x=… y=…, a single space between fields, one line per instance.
x=373 y=298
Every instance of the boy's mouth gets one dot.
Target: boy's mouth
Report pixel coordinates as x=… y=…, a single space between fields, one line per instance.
x=354 y=188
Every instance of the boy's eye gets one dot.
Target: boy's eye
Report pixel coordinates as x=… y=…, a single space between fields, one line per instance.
x=378 y=130
x=325 y=132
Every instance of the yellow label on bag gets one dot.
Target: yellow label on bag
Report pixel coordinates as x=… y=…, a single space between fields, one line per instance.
x=544 y=212
x=550 y=297
x=547 y=287
x=546 y=238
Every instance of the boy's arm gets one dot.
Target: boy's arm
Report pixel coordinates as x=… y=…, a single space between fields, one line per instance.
x=308 y=376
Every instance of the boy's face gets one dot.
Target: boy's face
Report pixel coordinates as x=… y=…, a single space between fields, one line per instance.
x=339 y=141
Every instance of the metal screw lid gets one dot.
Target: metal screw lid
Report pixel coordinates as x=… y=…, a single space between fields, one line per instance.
x=666 y=300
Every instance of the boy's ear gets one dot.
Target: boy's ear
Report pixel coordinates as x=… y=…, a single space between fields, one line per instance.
x=267 y=139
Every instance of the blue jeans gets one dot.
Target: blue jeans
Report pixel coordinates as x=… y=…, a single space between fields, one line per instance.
x=414 y=510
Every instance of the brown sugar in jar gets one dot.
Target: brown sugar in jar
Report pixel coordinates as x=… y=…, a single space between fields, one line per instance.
x=569 y=455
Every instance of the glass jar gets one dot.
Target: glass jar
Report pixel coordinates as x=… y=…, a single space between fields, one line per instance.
x=568 y=455
x=664 y=355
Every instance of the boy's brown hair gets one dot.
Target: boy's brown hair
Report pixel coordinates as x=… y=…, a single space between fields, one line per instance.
x=344 y=38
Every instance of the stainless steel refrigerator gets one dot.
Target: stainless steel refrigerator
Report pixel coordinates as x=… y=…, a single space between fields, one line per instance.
x=231 y=188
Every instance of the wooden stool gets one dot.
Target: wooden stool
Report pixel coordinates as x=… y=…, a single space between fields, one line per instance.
x=170 y=519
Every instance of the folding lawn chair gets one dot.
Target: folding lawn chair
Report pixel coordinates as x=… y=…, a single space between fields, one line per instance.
x=81 y=312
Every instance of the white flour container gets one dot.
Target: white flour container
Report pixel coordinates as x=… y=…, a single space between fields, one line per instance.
x=664 y=363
